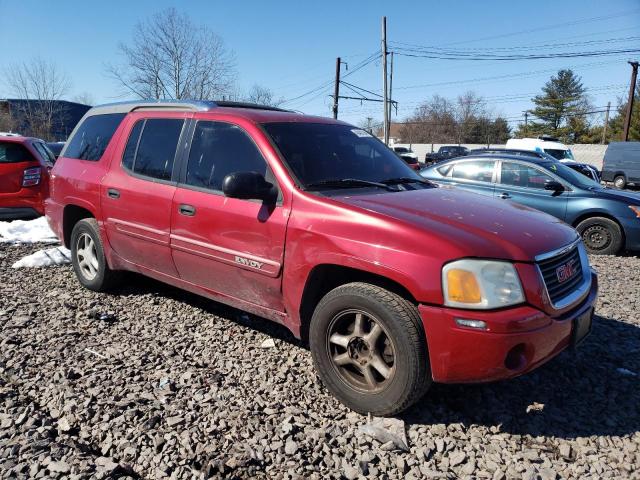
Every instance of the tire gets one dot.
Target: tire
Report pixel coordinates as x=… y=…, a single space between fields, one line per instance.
x=601 y=236
x=87 y=257
x=620 y=182
x=398 y=342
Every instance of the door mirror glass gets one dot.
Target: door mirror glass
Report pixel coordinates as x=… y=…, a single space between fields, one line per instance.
x=249 y=186
x=553 y=185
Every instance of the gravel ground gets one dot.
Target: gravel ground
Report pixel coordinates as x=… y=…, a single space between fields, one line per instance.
x=152 y=382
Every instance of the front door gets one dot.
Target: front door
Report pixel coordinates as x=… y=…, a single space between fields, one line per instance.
x=229 y=246
x=525 y=184
x=137 y=194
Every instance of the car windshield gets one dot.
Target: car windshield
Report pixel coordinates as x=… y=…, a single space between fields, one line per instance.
x=574 y=178
x=332 y=155
x=559 y=154
x=401 y=149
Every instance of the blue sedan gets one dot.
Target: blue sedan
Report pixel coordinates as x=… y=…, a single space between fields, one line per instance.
x=608 y=220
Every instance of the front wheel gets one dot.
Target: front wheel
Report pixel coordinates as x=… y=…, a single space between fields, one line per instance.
x=369 y=349
x=601 y=236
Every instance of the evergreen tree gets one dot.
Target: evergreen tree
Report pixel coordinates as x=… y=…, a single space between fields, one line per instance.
x=560 y=104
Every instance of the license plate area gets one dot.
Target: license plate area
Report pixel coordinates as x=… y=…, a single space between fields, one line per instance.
x=581 y=328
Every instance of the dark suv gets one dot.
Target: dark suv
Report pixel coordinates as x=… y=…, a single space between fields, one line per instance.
x=313 y=223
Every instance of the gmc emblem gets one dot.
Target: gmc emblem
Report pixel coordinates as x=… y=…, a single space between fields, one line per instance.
x=564 y=272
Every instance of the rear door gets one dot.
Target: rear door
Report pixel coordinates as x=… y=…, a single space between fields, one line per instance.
x=227 y=245
x=137 y=192
x=476 y=175
x=524 y=183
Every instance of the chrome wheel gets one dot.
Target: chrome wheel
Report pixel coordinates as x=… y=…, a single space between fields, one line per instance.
x=361 y=351
x=87 y=256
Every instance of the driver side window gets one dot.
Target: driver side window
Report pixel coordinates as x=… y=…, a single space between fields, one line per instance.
x=219 y=149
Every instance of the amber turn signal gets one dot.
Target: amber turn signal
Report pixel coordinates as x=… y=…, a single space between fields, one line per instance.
x=463 y=287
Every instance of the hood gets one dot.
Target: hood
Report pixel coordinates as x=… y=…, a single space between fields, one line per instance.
x=475 y=225
x=630 y=198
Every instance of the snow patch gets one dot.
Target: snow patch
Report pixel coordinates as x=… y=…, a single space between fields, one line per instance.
x=27 y=231
x=45 y=258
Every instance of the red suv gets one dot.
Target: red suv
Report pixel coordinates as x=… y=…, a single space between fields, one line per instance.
x=24 y=176
x=315 y=224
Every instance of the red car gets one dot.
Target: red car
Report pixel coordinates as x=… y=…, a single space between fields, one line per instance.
x=24 y=176
x=315 y=224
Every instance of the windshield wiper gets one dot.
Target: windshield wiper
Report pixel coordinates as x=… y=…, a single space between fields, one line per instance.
x=348 y=183
x=404 y=180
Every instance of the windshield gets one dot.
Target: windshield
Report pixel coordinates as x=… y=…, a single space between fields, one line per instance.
x=401 y=149
x=559 y=154
x=320 y=153
x=574 y=178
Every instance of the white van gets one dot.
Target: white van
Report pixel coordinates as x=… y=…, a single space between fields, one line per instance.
x=544 y=143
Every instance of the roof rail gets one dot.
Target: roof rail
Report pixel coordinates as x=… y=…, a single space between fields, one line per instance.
x=190 y=105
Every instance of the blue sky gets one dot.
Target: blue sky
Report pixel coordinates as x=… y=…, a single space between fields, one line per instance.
x=291 y=46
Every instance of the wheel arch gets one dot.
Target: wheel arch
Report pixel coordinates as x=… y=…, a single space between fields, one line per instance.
x=325 y=277
x=71 y=215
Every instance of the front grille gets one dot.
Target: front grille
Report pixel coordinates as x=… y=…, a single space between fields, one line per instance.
x=549 y=268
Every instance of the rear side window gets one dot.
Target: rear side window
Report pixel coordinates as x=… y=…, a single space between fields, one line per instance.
x=46 y=154
x=92 y=137
x=480 y=171
x=14 y=152
x=151 y=148
x=219 y=149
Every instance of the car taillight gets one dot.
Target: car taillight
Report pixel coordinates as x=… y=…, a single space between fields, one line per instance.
x=31 y=177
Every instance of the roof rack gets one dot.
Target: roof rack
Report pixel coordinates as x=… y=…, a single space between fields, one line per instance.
x=190 y=105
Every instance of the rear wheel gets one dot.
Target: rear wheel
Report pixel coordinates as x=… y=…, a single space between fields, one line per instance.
x=369 y=349
x=620 y=182
x=601 y=235
x=87 y=257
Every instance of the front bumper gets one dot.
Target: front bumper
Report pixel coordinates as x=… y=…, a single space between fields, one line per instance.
x=516 y=341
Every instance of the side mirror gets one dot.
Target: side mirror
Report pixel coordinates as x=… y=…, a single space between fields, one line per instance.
x=249 y=186
x=553 y=185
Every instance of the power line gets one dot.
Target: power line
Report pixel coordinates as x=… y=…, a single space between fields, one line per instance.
x=542 y=56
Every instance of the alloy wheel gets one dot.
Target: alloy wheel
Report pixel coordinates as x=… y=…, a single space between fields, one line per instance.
x=87 y=256
x=361 y=351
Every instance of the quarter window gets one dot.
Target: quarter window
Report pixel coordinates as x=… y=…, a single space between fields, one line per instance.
x=92 y=137
x=219 y=149
x=151 y=148
x=520 y=175
x=480 y=171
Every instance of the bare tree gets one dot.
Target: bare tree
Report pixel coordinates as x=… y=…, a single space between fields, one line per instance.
x=40 y=85
x=85 y=98
x=171 y=57
x=263 y=96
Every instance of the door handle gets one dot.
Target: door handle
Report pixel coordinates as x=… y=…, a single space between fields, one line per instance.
x=504 y=195
x=113 y=193
x=188 y=210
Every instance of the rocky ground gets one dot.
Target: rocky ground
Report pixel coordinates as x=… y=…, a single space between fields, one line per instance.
x=152 y=382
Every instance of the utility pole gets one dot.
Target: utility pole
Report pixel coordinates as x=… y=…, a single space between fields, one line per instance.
x=390 y=100
x=606 y=124
x=526 y=117
x=384 y=81
x=632 y=89
x=336 y=90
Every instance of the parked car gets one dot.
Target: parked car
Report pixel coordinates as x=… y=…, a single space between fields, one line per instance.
x=621 y=164
x=544 y=143
x=583 y=168
x=55 y=147
x=607 y=220
x=24 y=176
x=444 y=153
x=313 y=223
x=408 y=156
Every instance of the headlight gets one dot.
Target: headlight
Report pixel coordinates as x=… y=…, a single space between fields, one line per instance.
x=481 y=284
